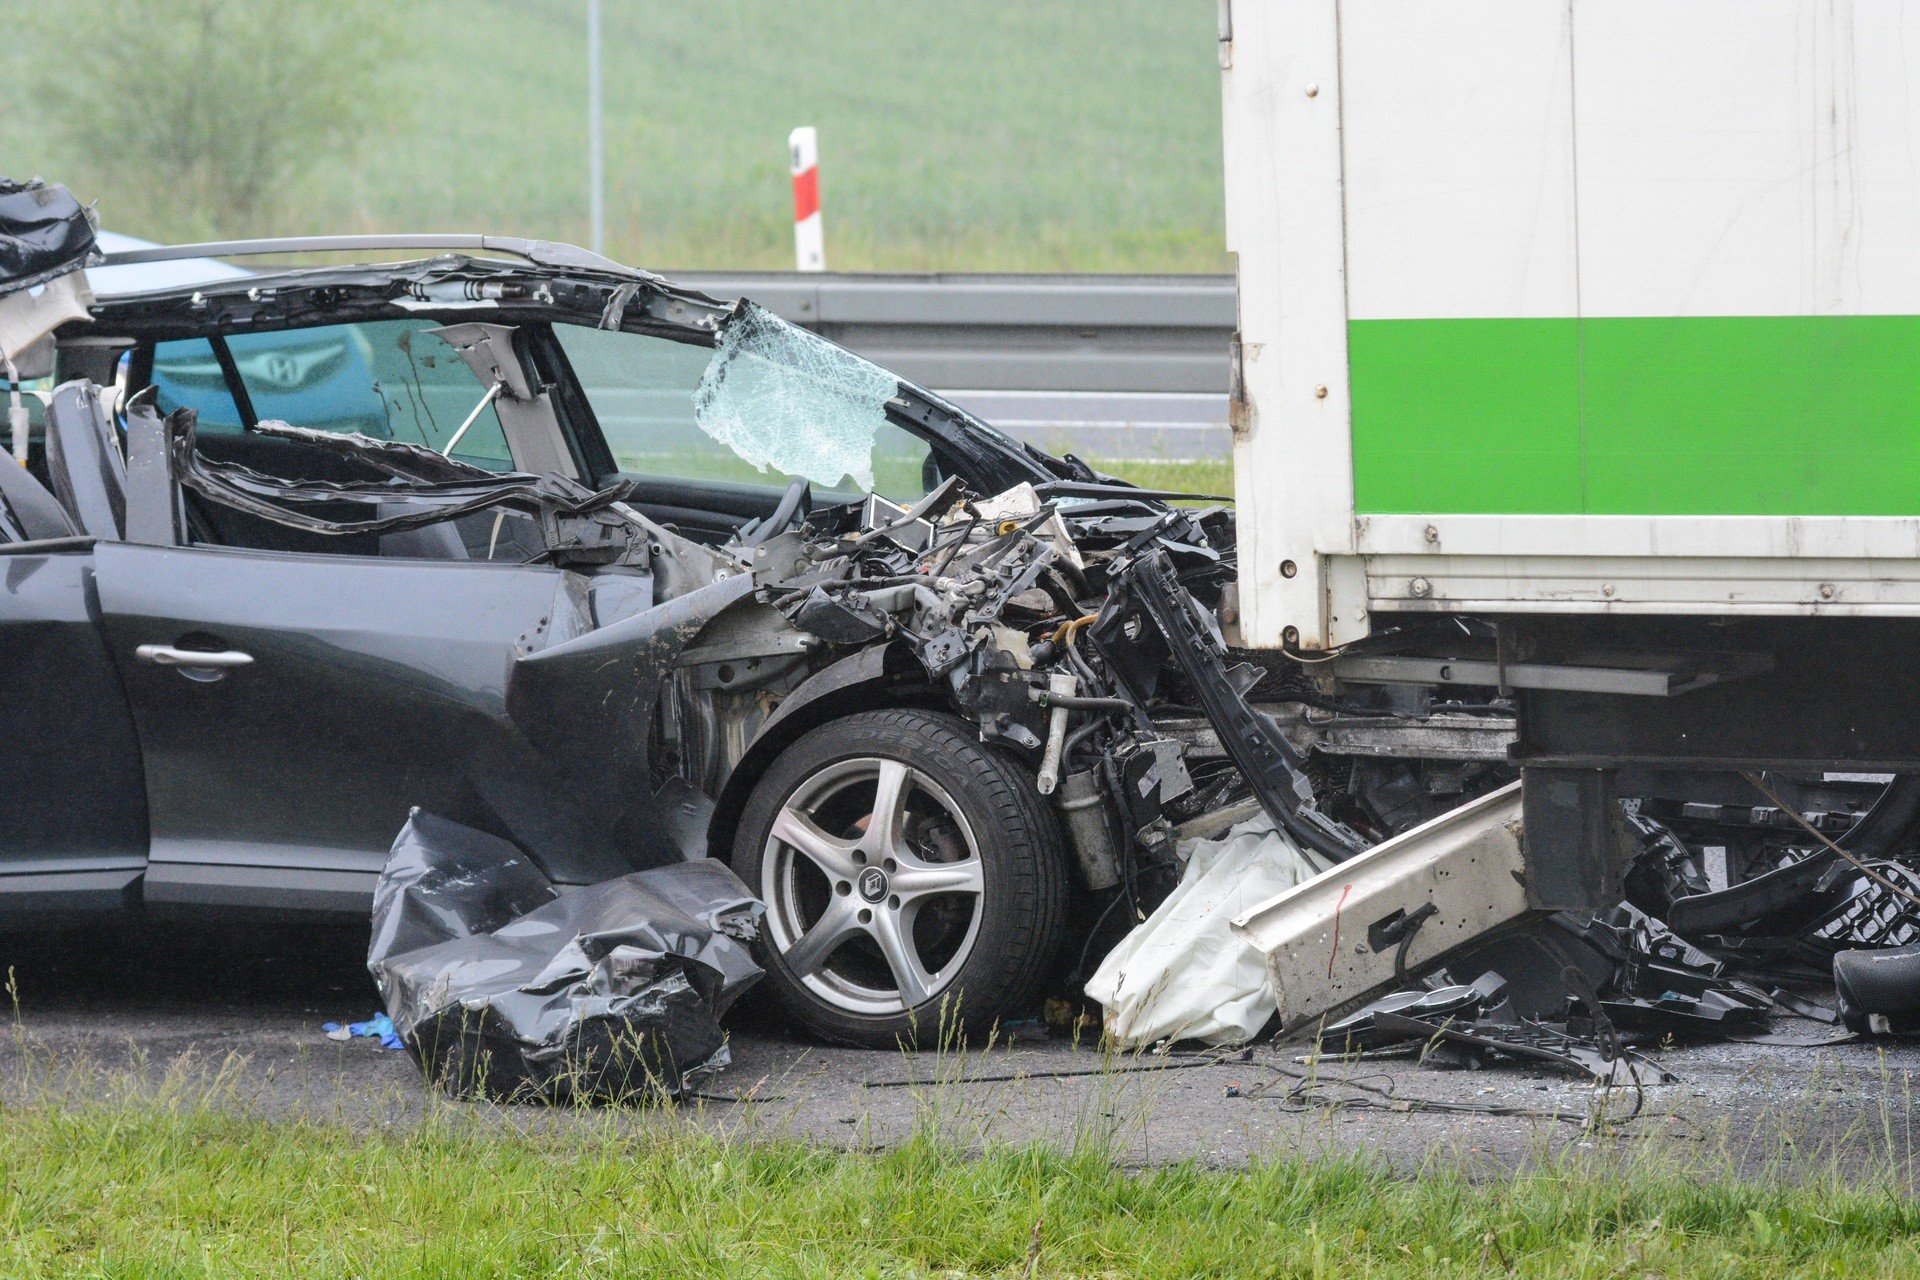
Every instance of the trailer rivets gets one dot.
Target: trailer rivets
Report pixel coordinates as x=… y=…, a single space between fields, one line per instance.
x=1420 y=588
x=1606 y=589
x=1826 y=591
x=1288 y=568
x=1320 y=391
x=1432 y=534
x=1313 y=91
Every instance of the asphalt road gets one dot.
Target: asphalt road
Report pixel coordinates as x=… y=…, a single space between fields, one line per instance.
x=119 y=1005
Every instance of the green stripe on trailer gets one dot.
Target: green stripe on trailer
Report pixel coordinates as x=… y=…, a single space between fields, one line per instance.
x=1749 y=415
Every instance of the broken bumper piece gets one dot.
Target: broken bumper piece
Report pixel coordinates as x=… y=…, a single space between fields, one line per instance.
x=505 y=989
x=1392 y=911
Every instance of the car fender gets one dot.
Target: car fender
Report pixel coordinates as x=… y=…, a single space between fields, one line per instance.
x=587 y=706
x=880 y=675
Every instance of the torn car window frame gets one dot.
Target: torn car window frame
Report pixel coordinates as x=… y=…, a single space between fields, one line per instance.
x=515 y=295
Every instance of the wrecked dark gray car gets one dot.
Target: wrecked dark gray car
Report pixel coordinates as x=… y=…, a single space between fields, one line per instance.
x=623 y=575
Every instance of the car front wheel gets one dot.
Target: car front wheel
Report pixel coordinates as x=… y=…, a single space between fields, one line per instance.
x=913 y=879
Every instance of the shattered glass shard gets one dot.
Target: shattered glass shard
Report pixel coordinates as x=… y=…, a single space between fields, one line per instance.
x=782 y=398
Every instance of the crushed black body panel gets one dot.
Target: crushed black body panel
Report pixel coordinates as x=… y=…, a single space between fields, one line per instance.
x=502 y=988
x=44 y=233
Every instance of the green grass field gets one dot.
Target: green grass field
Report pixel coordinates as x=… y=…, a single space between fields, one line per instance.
x=1210 y=477
x=169 y=1188
x=954 y=134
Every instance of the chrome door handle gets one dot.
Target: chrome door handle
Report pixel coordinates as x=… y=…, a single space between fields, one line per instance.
x=165 y=655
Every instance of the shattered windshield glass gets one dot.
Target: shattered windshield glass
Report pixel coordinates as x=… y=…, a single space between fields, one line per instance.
x=787 y=400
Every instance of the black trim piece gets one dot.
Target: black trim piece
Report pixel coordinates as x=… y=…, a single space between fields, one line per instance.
x=1252 y=740
x=27 y=895
x=579 y=426
x=46 y=546
x=289 y=889
x=236 y=387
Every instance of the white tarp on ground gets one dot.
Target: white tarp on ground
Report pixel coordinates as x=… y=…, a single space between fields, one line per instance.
x=1184 y=974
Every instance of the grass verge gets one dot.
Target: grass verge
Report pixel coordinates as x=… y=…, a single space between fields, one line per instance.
x=1212 y=477
x=176 y=1186
x=1046 y=135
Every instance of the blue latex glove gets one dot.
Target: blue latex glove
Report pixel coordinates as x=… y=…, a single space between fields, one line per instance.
x=379 y=1026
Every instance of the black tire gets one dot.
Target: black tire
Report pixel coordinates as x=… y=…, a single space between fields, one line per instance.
x=1015 y=855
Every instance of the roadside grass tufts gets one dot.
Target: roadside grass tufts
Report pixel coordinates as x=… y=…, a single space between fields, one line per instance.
x=184 y=1173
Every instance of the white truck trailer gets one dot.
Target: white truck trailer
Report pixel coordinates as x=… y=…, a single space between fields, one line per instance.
x=1579 y=360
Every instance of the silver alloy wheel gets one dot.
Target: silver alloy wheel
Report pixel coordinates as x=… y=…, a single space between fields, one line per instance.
x=836 y=899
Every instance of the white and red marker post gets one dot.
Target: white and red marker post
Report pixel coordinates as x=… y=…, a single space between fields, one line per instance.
x=809 y=246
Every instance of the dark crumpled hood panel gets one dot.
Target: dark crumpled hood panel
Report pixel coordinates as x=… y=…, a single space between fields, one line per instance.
x=44 y=232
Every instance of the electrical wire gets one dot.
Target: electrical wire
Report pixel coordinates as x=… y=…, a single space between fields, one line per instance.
x=1080 y=965
x=1328 y=656
x=1305 y=1094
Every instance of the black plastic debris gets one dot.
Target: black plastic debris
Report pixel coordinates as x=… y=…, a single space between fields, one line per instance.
x=1363 y=1031
x=1879 y=990
x=1848 y=907
x=1667 y=986
x=1791 y=888
x=1790 y=922
x=1466 y=1027
x=1876 y=906
x=504 y=988
x=1622 y=979
x=44 y=233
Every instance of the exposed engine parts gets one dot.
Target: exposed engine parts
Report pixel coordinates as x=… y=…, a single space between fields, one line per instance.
x=1068 y=626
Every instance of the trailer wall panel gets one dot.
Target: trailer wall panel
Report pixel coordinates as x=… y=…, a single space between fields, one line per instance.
x=1632 y=257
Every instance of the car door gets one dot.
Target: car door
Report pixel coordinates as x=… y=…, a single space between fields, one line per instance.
x=293 y=707
x=73 y=825
x=295 y=694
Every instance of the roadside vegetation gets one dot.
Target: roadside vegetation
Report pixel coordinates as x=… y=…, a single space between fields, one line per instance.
x=1208 y=477
x=964 y=136
x=175 y=1187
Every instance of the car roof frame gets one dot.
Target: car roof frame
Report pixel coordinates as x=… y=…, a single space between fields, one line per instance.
x=545 y=253
x=1006 y=460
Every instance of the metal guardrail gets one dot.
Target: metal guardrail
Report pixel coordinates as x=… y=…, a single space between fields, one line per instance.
x=1012 y=333
x=1110 y=366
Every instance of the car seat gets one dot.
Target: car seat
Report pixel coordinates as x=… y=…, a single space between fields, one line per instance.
x=28 y=513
